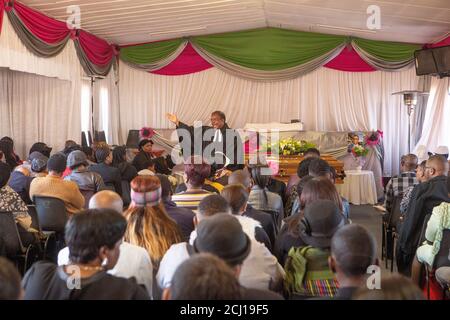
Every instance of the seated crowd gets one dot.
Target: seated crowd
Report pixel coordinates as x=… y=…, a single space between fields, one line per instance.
x=133 y=231
x=418 y=215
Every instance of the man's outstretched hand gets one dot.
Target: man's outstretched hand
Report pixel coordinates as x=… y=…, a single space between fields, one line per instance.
x=172 y=118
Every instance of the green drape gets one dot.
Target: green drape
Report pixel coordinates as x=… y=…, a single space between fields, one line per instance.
x=149 y=52
x=270 y=54
x=268 y=49
x=385 y=56
x=388 y=51
x=152 y=56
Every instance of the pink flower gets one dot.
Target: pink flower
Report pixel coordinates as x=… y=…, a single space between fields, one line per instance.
x=146 y=133
x=374 y=138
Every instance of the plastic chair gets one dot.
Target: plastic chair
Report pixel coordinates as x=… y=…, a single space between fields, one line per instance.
x=52 y=215
x=276 y=218
x=48 y=241
x=23 y=256
x=87 y=195
x=126 y=193
x=390 y=232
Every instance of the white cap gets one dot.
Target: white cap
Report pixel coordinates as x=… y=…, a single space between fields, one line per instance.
x=441 y=150
x=146 y=172
x=422 y=153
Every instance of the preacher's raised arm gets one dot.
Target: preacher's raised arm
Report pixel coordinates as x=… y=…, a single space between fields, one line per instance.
x=173 y=118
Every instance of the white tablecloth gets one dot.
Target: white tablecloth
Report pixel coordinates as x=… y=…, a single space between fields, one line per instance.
x=358 y=187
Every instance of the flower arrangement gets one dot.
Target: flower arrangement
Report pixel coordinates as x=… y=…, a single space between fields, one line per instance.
x=146 y=133
x=374 y=138
x=290 y=146
x=359 y=150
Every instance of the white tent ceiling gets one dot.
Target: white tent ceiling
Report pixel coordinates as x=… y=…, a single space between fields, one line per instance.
x=136 y=21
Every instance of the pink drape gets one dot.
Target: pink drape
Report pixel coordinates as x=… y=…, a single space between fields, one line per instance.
x=349 y=60
x=98 y=51
x=2 y=7
x=442 y=43
x=189 y=61
x=47 y=29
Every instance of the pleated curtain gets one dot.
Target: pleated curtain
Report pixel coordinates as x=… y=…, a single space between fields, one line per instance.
x=324 y=100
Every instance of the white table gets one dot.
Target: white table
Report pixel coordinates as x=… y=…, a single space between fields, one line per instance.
x=358 y=187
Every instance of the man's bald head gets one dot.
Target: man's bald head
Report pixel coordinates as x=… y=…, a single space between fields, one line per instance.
x=436 y=166
x=353 y=249
x=409 y=162
x=106 y=199
x=240 y=177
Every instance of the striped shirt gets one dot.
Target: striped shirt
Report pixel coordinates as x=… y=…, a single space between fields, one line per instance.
x=190 y=199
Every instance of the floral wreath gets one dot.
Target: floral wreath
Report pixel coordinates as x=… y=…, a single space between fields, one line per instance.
x=146 y=133
x=374 y=138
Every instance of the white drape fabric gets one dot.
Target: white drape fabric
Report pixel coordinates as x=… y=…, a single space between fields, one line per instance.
x=436 y=128
x=15 y=56
x=48 y=108
x=324 y=100
x=106 y=107
x=35 y=108
x=86 y=105
x=40 y=97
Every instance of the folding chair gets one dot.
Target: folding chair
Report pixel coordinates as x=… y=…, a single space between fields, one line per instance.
x=52 y=215
x=390 y=232
x=276 y=218
x=23 y=256
x=48 y=242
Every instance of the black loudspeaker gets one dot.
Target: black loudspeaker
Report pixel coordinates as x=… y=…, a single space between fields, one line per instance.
x=133 y=139
x=84 y=142
x=100 y=136
x=433 y=61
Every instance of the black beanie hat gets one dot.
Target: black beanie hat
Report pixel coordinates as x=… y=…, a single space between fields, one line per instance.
x=57 y=162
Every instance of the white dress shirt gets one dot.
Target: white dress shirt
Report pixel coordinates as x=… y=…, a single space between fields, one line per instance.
x=133 y=261
x=217 y=136
x=260 y=269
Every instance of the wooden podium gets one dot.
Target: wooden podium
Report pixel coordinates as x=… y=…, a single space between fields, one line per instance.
x=288 y=166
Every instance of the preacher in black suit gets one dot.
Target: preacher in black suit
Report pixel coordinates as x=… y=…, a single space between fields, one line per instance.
x=210 y=141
